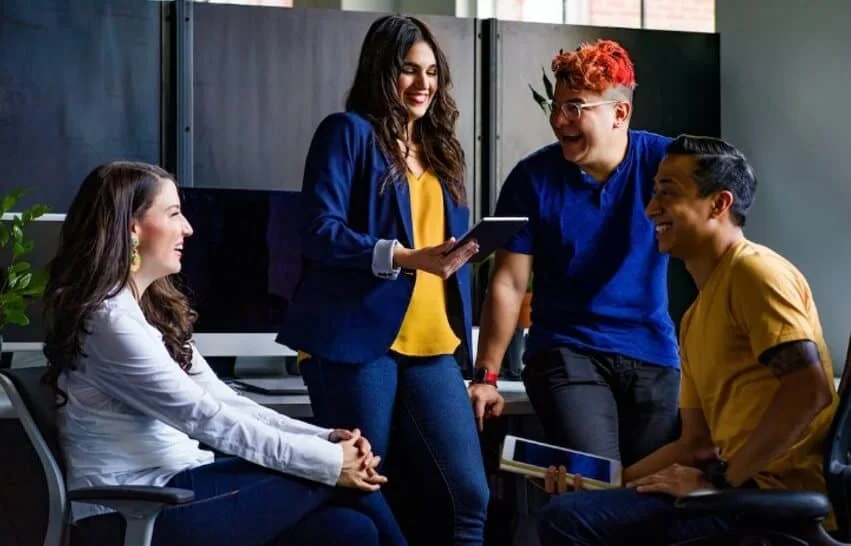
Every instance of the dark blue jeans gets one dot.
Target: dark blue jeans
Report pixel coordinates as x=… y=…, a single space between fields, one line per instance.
x=601 y=403
x=618 y=517
x=237 y=502
x=434 y=461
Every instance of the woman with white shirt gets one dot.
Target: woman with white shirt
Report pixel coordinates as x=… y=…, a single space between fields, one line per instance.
x=136 y=398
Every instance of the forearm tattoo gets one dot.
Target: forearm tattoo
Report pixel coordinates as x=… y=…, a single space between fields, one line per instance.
x=790 y=357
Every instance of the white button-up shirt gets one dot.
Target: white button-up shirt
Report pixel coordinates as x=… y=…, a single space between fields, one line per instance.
x=133 y=417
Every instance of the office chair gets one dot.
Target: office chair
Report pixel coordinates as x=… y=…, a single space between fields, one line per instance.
x=782 y=517
x=35 y=405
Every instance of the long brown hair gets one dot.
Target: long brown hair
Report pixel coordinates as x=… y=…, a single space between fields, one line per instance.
x=375 y=95
x=92 y=265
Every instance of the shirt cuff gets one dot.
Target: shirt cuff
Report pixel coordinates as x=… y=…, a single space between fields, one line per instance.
x=382 y=259
x=316 y=459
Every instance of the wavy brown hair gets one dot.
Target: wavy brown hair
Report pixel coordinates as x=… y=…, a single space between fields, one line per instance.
x=375 y=95
x=92 y=265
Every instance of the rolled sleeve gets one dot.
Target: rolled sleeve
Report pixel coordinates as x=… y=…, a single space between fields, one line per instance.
x=382 y=259
x=771 y=304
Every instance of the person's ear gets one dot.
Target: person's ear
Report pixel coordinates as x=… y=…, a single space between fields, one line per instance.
x=623 y=110
x=721 y=203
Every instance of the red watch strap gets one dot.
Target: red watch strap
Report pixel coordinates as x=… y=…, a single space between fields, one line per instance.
x=483 y=375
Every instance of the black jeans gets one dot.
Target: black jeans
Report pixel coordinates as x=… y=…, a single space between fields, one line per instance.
x=606 y=404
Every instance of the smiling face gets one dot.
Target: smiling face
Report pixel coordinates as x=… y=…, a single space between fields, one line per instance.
x=587 y=135
x=417 y=81
x=161 y=231
x=683 y=218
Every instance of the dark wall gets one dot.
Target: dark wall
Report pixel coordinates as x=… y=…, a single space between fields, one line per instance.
x=79 y=85
x=261 y=90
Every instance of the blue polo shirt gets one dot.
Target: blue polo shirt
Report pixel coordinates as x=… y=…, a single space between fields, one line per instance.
x=600 y=282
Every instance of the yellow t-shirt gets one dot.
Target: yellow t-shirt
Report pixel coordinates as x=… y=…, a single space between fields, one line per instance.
x=425 y=328
x=753 y=300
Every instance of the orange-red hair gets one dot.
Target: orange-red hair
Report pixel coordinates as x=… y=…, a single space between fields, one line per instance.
x=595 y=67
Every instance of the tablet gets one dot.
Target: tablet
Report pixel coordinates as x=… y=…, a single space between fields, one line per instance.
x=532 y=458
x=491 y=233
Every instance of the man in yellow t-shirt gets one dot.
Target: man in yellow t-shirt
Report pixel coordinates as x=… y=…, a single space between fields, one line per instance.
x=757 y=395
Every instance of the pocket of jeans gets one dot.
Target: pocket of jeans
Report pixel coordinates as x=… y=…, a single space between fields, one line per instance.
x=578 y=369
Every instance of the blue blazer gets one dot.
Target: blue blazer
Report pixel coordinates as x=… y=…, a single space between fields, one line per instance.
x=340 y=310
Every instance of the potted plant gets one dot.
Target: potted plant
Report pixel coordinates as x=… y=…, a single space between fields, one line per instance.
x=545 y=101
x=20 y=283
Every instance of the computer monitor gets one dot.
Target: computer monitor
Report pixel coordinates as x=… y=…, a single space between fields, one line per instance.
x=240 y=267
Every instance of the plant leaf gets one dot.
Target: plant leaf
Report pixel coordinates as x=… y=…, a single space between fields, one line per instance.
x=20 y=267
x=548 y=86
x=24 y=281
x=542 y=102
x=10 y=200
x=15 y=316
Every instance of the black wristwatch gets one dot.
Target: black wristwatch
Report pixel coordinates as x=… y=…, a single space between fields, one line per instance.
x=716 y=474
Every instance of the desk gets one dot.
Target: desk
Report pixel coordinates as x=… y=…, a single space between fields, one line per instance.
x=298 y=405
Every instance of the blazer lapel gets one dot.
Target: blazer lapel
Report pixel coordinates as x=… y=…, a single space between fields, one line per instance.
x=403 y=201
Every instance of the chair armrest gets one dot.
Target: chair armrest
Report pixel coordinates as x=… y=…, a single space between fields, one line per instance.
x=144 y=493
x=762 y=504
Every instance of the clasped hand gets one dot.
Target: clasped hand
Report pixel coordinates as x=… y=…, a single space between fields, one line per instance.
x=359 y=463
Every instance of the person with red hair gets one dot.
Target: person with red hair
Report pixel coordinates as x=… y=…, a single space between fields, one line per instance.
x=601 y=357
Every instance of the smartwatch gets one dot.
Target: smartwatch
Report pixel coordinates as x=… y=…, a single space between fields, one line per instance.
x=483 y=375
x=716 y=474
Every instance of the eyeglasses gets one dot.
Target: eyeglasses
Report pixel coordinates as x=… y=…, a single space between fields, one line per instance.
x=573 y=110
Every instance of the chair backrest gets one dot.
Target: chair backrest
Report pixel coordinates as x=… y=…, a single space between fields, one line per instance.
x=837 y=456
x=35 y=405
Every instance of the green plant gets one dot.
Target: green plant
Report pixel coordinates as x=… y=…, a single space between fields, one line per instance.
x=20 y=283
x=545 y=101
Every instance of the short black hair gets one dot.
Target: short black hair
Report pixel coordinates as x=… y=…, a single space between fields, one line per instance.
x=719 y=166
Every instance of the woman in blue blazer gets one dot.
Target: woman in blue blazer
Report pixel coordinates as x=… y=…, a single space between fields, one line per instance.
x=382 y=313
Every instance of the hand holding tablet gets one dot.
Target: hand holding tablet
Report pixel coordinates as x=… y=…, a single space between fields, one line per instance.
x=491 y=233
x=477 y=244
x=532 y=458
x=435 y=259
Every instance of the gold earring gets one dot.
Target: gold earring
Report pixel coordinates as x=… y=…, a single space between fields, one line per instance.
x=135 y=258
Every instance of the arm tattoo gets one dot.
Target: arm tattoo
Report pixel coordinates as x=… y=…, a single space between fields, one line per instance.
x=790 y=357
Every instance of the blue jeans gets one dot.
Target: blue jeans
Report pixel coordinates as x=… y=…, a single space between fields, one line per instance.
x=434 y=453
x=622 y=517
x=237 y=502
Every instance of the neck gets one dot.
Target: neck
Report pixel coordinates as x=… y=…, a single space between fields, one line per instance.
x=705 y=260
x=603 y=167
x=141 y=283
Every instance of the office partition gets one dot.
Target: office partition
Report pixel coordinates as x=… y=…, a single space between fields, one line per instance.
x=79 y=85
x=265 y=77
